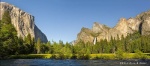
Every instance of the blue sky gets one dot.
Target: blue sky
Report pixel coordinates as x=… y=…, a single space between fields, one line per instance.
x=63 y=19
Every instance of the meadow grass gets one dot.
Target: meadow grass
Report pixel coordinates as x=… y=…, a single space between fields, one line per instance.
x=78 y=56
x=102 y=56
x=31 y=56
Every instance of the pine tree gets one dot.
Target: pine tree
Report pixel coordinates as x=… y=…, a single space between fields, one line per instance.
x=38 y=47
x=8 y=33
x=29 y=44
x=49 y=47
x=8 y=36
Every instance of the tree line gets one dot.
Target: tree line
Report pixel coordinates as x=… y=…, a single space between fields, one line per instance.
x=10 y=44
x=128 y=44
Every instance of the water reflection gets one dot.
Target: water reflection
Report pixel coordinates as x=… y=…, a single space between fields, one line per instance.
x=49 y=62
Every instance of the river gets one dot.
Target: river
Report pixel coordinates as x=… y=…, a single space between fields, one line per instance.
x=51 y=62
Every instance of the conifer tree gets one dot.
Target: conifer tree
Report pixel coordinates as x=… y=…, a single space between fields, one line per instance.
x=8 y=36
x=38 y=46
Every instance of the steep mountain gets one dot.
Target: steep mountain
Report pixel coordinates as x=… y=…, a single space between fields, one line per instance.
x=124 y=27
x=85 y=34
x=22 y=21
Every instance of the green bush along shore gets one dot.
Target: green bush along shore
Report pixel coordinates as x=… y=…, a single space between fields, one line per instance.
x=109 y=56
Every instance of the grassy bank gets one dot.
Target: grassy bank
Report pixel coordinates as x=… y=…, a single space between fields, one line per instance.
x=82 y=56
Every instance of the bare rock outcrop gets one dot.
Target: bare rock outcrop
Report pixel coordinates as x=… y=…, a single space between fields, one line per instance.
x=85 y=35
x=144 y=18
x=140 y=23
x=22 y=21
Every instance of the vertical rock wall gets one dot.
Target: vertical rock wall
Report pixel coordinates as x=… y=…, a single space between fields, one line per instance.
x=22 y=21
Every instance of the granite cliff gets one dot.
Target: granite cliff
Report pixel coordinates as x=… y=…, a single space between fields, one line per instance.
x=140 y=23
x=22 y=21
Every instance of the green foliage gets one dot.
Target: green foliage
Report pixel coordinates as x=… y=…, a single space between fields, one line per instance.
x=74 y=56
x=6 y=19
x=119 y=54
x=139 y=55
x=10 y=44
x=31 y=56
x=49 y=47
x=8 y=36
x=83 y=56
x=102 y=56
x=28 y=44
x=38 y=46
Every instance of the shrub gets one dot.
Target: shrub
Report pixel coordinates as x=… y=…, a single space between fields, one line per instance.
x=119 y=54
x=74 y=56
x=80 y=56
x=139 y=55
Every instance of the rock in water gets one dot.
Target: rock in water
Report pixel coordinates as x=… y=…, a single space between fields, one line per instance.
x=22 y=21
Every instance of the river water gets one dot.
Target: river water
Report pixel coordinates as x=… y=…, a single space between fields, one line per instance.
x=50 y=62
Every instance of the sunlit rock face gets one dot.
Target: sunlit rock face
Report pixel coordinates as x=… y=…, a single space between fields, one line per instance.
x=22 y=21
x=145 y=25
x=140 y=23
x=85 y=35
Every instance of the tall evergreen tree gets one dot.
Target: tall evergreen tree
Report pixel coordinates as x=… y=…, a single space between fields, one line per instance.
x=29 y=43
x=38 y=46
x=8 y=35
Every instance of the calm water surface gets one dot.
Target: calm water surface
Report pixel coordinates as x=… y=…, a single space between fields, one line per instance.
x=50 y=62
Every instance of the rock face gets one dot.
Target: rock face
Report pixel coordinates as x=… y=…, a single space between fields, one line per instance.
x=145 y=25
x=85 y=35
x=124 y=27
x=22 y=21
x=39 y=34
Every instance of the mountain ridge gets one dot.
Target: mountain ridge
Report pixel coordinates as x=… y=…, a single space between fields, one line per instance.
x=124 y=27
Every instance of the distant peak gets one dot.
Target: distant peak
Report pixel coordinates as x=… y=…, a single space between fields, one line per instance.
x=4 y=3
x=7 y=6
x=96 y=23
x=83 y=29
x=123 y=19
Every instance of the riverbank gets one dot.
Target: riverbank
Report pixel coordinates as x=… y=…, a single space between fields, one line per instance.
x=82 y=56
